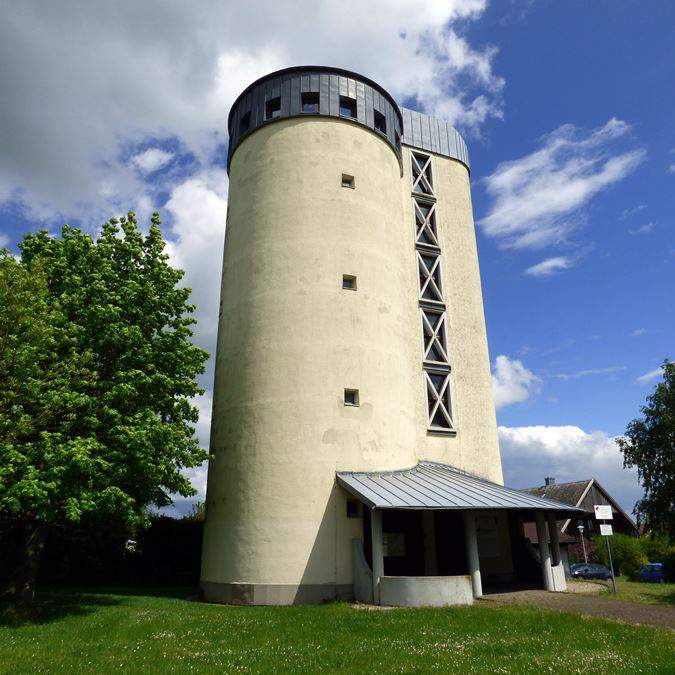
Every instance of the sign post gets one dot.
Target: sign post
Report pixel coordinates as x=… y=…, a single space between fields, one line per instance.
x=604 y=512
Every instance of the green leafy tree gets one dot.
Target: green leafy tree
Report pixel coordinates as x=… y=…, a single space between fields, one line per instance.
x=649 y=445
x=97 y=375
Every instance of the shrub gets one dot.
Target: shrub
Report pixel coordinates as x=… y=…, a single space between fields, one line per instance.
x=627 y=553
x=655 y=548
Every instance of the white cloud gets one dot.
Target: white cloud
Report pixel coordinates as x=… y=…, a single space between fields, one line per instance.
x=4 y=240
x=87 y=83
x=512 y=382
x=638 y=332
x=152 y=159
x=671 y=168
x=537 y=200
x=651 y=375
x=569 y=454
x=198 y=209
x=632 y=211
x=591 y=371
x=549 y=266
x=643 y=229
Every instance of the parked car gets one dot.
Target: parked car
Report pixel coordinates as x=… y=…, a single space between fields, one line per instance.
x=651 y=573
x=590 y=571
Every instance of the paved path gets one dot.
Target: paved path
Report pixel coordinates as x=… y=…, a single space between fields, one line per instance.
x=591 y=605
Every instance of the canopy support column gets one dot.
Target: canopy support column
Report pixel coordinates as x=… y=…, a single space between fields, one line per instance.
x=377 y=552
x=555 y=542
x=472 y=553
x=544 y=552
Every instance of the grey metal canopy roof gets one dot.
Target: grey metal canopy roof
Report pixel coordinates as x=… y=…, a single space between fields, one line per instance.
x=431 y=485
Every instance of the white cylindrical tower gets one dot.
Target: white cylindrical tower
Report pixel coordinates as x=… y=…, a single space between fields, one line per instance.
x=319 y=364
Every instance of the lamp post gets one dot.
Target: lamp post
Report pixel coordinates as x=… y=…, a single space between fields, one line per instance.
x=580 y=527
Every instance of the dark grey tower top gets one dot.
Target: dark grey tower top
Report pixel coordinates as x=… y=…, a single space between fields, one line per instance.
x=334 y=92
x=315 y=90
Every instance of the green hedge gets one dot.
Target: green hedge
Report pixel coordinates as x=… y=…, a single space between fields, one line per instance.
x=631 y=553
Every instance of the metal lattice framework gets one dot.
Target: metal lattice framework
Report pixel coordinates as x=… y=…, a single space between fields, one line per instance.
x=436 y=359
x=425 y=222
x=438 y=400
x=433 y=330
x=421 y=173
x=429 y=267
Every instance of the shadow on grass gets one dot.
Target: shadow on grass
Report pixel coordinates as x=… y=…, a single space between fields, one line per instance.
x=53 y=604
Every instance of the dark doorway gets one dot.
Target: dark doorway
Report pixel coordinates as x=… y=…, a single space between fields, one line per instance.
x=403 y=542
x=450 y=543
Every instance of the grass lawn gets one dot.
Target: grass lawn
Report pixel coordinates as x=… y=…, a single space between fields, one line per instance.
x=634 y=591
x=160 y=632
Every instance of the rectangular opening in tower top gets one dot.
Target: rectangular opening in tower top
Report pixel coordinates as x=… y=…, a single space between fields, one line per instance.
x=380 y=122
x=347 y=107
x=273 y=108
x=310 y=102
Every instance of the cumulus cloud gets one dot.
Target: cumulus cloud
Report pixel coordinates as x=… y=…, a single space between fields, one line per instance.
x=550 y=266
x=512 y=382
x=568 y=453
x=537 y=200
x=87 y=85
x=152 y=159
x=198 y=210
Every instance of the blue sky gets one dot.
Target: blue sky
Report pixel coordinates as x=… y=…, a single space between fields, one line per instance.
x=567 y=109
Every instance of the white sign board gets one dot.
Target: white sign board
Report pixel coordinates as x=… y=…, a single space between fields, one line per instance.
x=603 y=512
x=605 y=530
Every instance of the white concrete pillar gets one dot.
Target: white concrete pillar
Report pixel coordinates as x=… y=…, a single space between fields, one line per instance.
x=429 y=531
x=377 y=552
x=544 y=552
x=472 y=553
x=555 y=542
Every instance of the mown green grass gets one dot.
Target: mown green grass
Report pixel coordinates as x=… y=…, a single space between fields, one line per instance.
x=102 y=632
x=635 y=591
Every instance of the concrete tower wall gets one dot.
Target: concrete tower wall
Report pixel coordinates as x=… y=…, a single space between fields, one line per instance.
x=291 y=339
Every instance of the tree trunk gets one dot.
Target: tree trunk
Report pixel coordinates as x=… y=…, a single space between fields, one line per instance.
x=21 y=589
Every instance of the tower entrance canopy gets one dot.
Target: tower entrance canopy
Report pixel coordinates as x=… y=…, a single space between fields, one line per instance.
x=431 y=485
x=435 y=535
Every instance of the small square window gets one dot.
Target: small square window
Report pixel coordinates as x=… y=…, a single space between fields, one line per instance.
x=380 y=122
x=352 y=397
x=245 y=122
x=353 y=510
x=310 y=102
x=347 y=181
x=273 y=108
x=349 y=282
x=347 y=107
